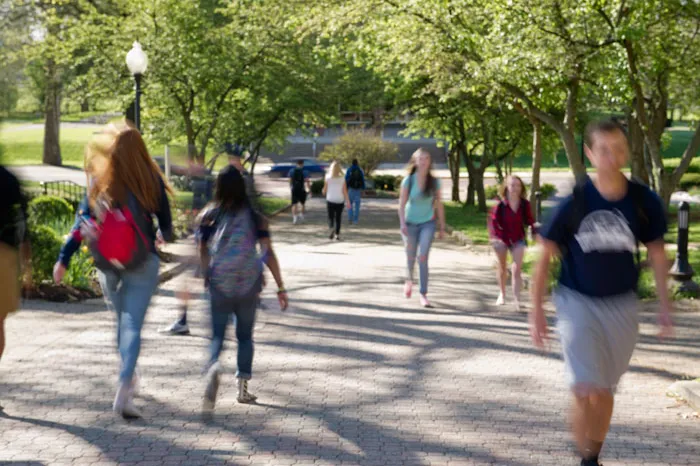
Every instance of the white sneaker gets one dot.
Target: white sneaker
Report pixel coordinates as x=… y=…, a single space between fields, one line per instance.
x=244 y=396
x=501 y=300
x=124 y=403
x=176 y=329
x=136 y=383
x=294 y=220
x=301 y=218
x=213 y=378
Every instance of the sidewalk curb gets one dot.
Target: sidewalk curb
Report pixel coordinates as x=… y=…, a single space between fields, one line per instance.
x=172 y=272
x=279 y=211
x=687 y=390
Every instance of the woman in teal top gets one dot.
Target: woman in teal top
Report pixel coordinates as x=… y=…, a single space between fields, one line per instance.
x=419 y=205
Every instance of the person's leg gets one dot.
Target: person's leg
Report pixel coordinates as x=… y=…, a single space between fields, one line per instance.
x=411 y=245
x=426 y=235
x=518 y=253
x=110 y=283
x=2 y=334
x=338 y=217
x=501 y=273
x=219 y=323
x=245 y=322
x=331 y=215
x=137 y=290
x=590 y=420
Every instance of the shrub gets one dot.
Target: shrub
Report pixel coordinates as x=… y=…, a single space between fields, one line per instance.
x=181 y=183
x=672 y=163
x=49 y=209
x=82 y=272
x=548 y=190
x=46 y=244
x=491 y=192
x=385 y=182
x=369 y=150
x=317 y=188
x=688 y=181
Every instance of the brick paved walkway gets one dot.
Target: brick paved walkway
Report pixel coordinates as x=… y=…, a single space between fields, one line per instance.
x=352 y=374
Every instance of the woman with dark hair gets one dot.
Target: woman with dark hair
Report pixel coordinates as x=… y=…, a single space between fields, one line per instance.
x=229 y=234
x=122 y=176
x=419 y=206
x=507 y=231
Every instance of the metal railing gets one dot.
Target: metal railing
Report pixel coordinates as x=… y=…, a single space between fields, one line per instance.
x=68 y=190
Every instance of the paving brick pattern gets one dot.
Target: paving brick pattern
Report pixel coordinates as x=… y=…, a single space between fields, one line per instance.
x=353 y=374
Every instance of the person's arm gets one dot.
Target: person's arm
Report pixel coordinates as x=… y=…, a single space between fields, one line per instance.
x=538 y=320
x=205 y=228
x=529 y=219
x=403 y=200
x=440 y=209
x=493 y=225
x=25 y=249
x=273 y=265
x=72 y=244
x=363 y=179
x=307 y=179
x=164 y=215
x=659 y=263
x=346 y=195
x=325 y=186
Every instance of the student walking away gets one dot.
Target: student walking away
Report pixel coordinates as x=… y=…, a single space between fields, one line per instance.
x=355 y=180
x=336 y=192
x=420 y=208
x=507 y=229
x=596 y=231
x=229 y=233
x=14 y=245
x=126 y=189
x=202 y=187
x=300 y=184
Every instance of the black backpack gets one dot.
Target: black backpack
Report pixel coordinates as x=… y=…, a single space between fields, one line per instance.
x=355 y=181
x=636 y=191
x=298 y=179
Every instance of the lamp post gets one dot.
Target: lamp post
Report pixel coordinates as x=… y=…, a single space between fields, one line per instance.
x=137 y=62
x=681 y=271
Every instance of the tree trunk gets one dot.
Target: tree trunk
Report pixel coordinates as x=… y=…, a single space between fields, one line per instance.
x=453 y=161
x=499 y=171
x=536 y=158
x=636 y=138
x=573 y=153
x=479 y=187
x=85 y=106
x=52 y=122
x=471 y=184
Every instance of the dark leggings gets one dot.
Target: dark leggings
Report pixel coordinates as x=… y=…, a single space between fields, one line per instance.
x=335 y=214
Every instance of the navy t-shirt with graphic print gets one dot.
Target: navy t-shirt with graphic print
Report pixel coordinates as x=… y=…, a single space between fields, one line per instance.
x=600 y=258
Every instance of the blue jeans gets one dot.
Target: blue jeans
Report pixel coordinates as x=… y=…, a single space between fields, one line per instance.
x=419 y=240
x=245 y=311
x=129 y=294
x=355 y=196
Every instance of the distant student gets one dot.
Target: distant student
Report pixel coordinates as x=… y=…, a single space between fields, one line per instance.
x=421 y=213
x=507 y=229
x=300 y=184
x=355 y=180
x=596 y=231
x=336 y=193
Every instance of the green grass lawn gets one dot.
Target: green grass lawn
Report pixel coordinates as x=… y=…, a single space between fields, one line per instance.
x=183 y=200
x=467 y=220
x=25 y=147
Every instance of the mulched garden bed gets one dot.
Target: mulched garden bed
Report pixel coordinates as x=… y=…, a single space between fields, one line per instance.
x=60 y=293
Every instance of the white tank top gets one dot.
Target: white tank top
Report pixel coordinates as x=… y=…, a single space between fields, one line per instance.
x=334 y=193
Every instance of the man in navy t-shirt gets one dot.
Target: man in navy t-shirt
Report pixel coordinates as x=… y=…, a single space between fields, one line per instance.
x=596 y=232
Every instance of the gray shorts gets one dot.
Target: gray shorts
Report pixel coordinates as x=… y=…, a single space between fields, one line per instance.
x=598 y=336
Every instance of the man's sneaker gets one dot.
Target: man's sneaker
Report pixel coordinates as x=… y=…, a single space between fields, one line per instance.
x=501 y=300
x=337 y=237
x=301 y=218
x=213 y=377
x=424 y=301
x=243 y=395
x=332 y=233
x=176 y=328
x=294 y=220
x=585 y=462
